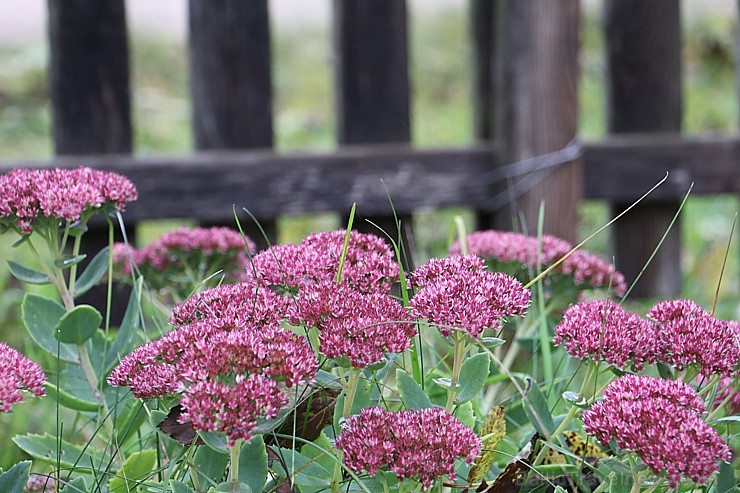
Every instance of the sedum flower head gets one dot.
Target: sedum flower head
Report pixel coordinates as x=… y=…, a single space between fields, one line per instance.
x=689 y=335
x=603 y=331
x=239 y=305
x=18 y=374
x=421 y=444
x=27 y=195
x=660 y=420
x=361 y=326
x=506 y=247
x=184 y=246
x=458 y=293
x=369 y=264
x=227 y=377
x=38 y=483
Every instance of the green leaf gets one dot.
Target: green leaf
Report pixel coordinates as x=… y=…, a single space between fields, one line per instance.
x=93 y=272
x=122 y=344
x=464 y=412
x=575 y=398
x=314 y=450
x=27 y=275
x=14 y=479
x=215 y=440
x=179 y=487
x=78 y=325
x=307 y=472
x=70 y=401
x=326 y=379
x=492 y=342
x=40 y=316
x=77 y=485
x=67 y=261
x=229 y=487
x=210 y=465
x=473 y=375
x=44 y=448
x=253 y=463
x=131 y=415
x=363 y=399
x=137 y=468
x=412 y=394
x=726 y=482
x=538 y=412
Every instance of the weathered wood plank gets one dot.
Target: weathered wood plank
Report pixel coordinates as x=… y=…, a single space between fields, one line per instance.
x=231 y=82
x=89 y=76
x=206 y=184
x=90 y=96
x=372 y=81
x=643 y=41
x=372 y=86
x=537 y=107
x=620 y=168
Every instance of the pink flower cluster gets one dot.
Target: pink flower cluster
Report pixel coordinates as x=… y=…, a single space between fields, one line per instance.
x=413 y=444
x=237 y=305
x=361 y=326
x=678 y=333
x=41 y=484
x=63 y=194
x=660 y=420
x=689 y=335
x=459 y=293
x=198 y=250
x=369 y=263
x=18 y=373
x=509 y=247
x=228 y=376
x=603 y=331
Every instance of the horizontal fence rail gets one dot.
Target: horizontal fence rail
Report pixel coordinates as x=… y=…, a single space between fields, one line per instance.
x=271 y=184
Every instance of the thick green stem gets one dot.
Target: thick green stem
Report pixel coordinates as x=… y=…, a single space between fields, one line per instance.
x=73 y=269
x=234 y=451
x=458 y=357
x=350 y=390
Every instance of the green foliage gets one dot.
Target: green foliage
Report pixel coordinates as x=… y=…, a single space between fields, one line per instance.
x=78 y=325
x=27 y=275
x=253 y=464
x=473 y=375
x=14 y=479
x=138 y=467
x=41 y=316
x=50 y=450
x=412 y=394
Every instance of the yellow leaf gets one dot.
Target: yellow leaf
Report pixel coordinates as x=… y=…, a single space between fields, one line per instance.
x=494 y=427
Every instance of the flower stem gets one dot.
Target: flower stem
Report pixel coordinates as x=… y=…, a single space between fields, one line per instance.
x=458 y=356
x=234 y=451
x=350 y=390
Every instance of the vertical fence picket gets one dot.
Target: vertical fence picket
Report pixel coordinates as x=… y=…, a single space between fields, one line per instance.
x=372 y=81
x=90 y=94
x=644 y=95
x=536 y=110
x=483 y=40
x=231 y=83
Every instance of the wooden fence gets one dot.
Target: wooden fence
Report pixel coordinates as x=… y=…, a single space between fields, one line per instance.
x=526 y=74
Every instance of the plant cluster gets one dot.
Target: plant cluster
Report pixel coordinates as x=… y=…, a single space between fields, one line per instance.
x=330 y=366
